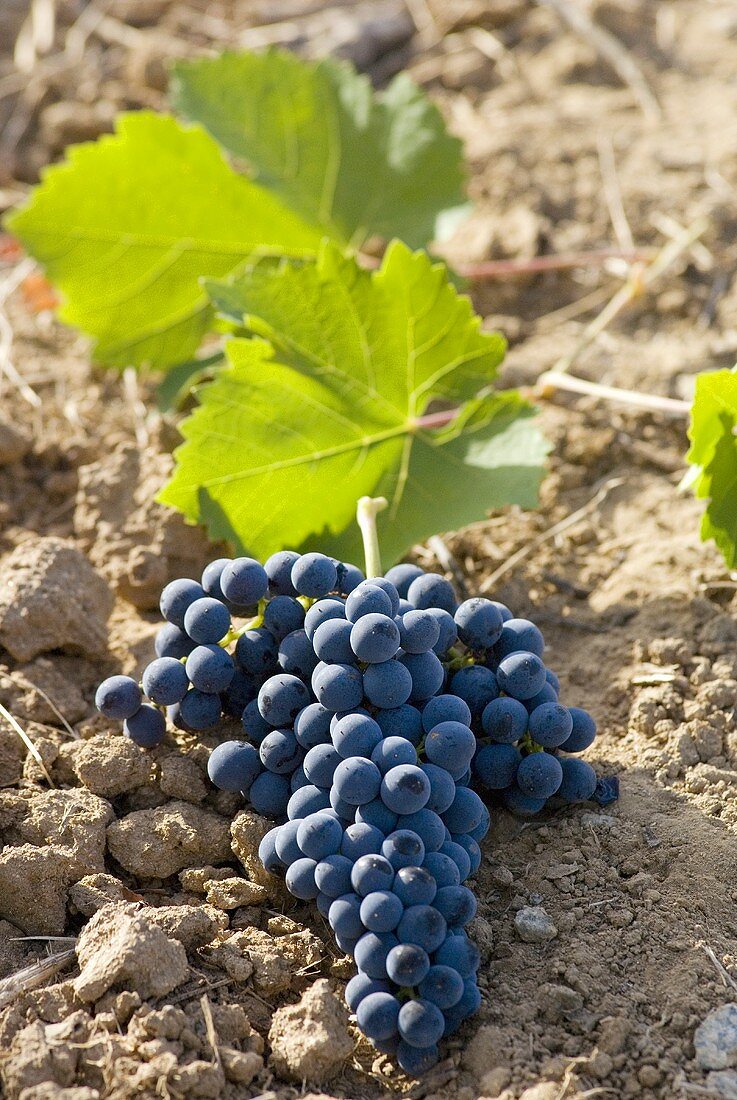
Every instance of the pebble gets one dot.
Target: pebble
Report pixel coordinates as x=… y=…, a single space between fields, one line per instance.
x=715 y=1039
x=534 y=925
x=723 y=1083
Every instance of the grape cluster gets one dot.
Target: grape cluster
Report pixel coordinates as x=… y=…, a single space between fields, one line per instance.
x=371 y=711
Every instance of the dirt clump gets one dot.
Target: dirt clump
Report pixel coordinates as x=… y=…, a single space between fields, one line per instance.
x=33 y=888
x=157 y=843
x=108 y=764
x=310 y=1040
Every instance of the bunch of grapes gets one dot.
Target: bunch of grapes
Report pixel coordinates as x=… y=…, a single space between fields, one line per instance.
x=371 y=710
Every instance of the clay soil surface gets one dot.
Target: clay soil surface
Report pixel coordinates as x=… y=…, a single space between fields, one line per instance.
x=640 y=617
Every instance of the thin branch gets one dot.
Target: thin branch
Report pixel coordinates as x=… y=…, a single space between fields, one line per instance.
x=613 y=193
x=556 y=529
x=31 y=977
x=612 y=50
x=559 y=380
x=27 y=742
x=562 y=261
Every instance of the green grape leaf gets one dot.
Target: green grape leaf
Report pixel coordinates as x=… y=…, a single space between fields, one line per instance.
x=713 y=456
x=354 y=162
x=128 y=224
x=324 y=404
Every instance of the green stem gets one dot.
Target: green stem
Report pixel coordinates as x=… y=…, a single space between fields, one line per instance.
x=366 y=512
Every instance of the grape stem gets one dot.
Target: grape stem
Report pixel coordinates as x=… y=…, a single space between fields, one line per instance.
x=367 y=510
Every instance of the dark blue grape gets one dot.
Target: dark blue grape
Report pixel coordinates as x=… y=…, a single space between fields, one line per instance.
x=319 y=836
x=281 y=699
x=443 y=869
x=407 y=964
x=445 y=708
x=320 y=764
x=465 y=812
x=387 y=685
x=331 y=641
x=583 y=732
x=171 y=641
x=312 y=726
x=520 y=803
x=451 y=745
x=381 y=911
x=448 y=631
x=496 y=765
x=374 y=638
x=442 y=985
x=177 y=597
x=460 y=857
x=314 y=575
x=321 y=612
x=404 y=721
x=403 y=848
x=356 y=735
x=432 y=590
x=300 y=879
x=244 y=582
x=349 y=577
x=479 y=623
x=370 y=873
x=307 y=800
x=269 y=794
x=505 y=720
x=368 y=599
x=427 y=672
x=287 y=848
x=146 y=727
x=361 y=839
x=338 y=687
x=519 y=635
x=209 y=669
x=333 y=875
x=255 y=726
x=419 y=631
x=550 y=725
x=377 y=814
x=416 y=1061
x=118 y=697
x=165 y=680
x=477 y=685
x=296 y=655
x=282 y=616
x=428 y=826
x=390 y=589
x=579 y=781
x=472 y=849
x=377 y=1015
x=199 y=710
x=280 y=752
x=357 y=781
x=360 y=986
x=539 y=775
x=256 y=652
x=233 y=766
x=242 y=690
x=521 y=675
x=547 y=694
x=211 y=576
x=442 y=788
x=402 y=575
x=405 y=789
x=420 y=1023
x=459 y=953
x=414 y=886
x=393 y=751
x=267 y=852
x=207 y=620
x=371 y=952
x=278 y=569
x=457 y=904
x=344 y=917
x=424 y=926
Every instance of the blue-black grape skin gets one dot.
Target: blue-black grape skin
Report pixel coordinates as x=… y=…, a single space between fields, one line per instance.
x=367 y=741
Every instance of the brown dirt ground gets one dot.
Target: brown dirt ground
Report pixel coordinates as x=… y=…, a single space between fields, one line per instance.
x=639 y=616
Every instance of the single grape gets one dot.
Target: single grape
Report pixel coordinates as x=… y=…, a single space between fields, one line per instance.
x=405 y=789
x=550 y=725
x=233 y=766
x=391 y=591
x=519 y=635
x=443 y=869
x=368 y=599
x=553 y=680
x=472 y=849
x=407 y=964
x=451 y=745
x=377 y=1015
x=320 y=764
x=387 y=685
x=370 y=873
x=256 y=652
x=211 y=577
x=496 y=765
x=300 y=879
x=521 y=675
x=280 y=752
x=520 y=803
x=278 y=569
x=357 y=780
x=403 y=848
x=379 y=815
x=547 y=694
x=254 y=725
x=146 y=727
x=374 y=638
x=244 y=582
x=199 y=710
x=314 y=575
x=459 y=953
x=321 y=612
x=460 y=857
x=171 y=641
x=287 y=848
x=445 y=708
x=345 y=811
x=402 y=575
x=344 y=917
x=338 y=687
x=583 y=733
x=269 y=794
x=465 y=812
x=360 y=986
x=457 y=904
x=331 y=641
x=165 y=681
x=392 y=751
x=414 y=886
x=207 y=620
x=419 y=631
x=442 y=788
x=442 y=985
x=209 y=669
x=282 y=616
x=333 y=875
x=427 y=673
x=307 y=800
x=371 y=953
x=404 y=721
x=539 y=775
x=423 y=925
x=177 y=597
x=477 y=685
x=267 y=852
x=579 y=781
x=381 y=911
x=281 y=699
x=312 y=726
x=448 y=631
x=356 y=735
x=416 y=1061
x=420 y=1023
x=361 y=839
x=118 y=697
x=505 y=720
x=432 y=591
x=479 y=623
x=319 y=836
x=296 y=655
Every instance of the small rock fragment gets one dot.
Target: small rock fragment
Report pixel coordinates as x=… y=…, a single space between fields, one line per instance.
x=52 y=598
x=74 y=822
x=195 y=879
x=33 y=889
x=715 y=1039
x=109 y=764
x=723 y=1083
x=159 y=842
x=239 y=1067
x=32 y=1060
x=230 y=893
x=93 y=891
x=182 y=778
x=272 y=970
x=534 y=925
x=121 y=947
x=310 y=1040
x=192 y=925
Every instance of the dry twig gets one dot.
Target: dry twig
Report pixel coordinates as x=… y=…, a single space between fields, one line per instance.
x=27 y=742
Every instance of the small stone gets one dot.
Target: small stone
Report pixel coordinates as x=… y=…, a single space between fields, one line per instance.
x=120 y=947
x=14 y=444
x=715 y=1039
x=502 y=876
x=310 y=1040
x=230 y=893
x=495 y=1081
x=533 y=925
x=195 y=879
x=109 y=764
x=723 y=1083
x=648 y=1076
x=192 y=925
x=93 y=891
x=159 y=842
x=33 y=889
x=74 y=822
x=241 y=1068
x=52 y=598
